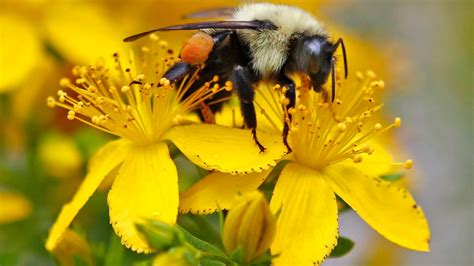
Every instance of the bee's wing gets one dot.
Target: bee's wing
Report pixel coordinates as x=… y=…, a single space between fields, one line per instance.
x=252 y=25
x=222 y=12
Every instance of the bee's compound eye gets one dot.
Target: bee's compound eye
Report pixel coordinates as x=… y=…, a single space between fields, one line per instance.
x=197 y=48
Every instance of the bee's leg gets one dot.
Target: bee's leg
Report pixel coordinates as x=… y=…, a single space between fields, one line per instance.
x=178 y=71
x=243 y=80
x=290 y=94
x=220 y=36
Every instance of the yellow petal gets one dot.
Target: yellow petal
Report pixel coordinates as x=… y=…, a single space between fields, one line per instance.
x=19 y=53
x=106 y=159
x=227 y=150
x=145 y=187
x=13 y=207
x=307 y=225
x=218 y=190
x=376 y=164
x=389 y=209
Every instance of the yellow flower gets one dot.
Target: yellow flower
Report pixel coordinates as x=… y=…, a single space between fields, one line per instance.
x=334 y=153
x=249 y=225
x=13 y=207
x=20 y=52
x=136 y=104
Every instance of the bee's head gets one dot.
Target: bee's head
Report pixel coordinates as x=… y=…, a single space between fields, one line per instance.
x=315 y=56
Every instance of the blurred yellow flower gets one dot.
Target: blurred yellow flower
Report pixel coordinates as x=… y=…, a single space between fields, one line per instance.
x=13 y=207
x=20 y=51
x=136 y=104
x=334 y=152
x=62 y=166
x=73 y=247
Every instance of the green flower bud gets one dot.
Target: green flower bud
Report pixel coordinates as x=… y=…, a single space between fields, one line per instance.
x=249 y=225
x=160 y=235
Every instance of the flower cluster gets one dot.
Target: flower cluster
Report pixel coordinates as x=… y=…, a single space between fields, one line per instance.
x=336 y=151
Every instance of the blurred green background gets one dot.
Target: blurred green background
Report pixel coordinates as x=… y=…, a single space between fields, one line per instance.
x=424 y=50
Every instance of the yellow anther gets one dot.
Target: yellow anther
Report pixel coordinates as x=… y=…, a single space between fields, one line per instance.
x=301 y=107
x=349 y=120
x=64 y=82
x=163 y=44
x=366 y=148
x=378 y=127
x=92 y=89
x=140 y=77
x=145 y=49
x=408 y=164
x=80 y=81
x=381 y=84
x=99 y=100
x=51 y=102
x=370 y=74
x=83 y=71
x=154 y=37
x=228 y=83
x=70 y=115
x=147 y=86
x=285 y=101
x=341 y=127
x=164 y=82
x=292 y=111
x=359 y=75
x=215 y=78
x=398 y=122
x=124 y=89
x=277 y=87
x=75 y=71
x=357 y=158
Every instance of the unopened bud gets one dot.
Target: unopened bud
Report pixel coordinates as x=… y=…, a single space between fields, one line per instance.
x=160 y=235
x=249 y=225
x=71 y=248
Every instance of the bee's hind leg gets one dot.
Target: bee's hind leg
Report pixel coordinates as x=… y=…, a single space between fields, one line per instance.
x=290 y=94
x=243 y=79
x=178 y=71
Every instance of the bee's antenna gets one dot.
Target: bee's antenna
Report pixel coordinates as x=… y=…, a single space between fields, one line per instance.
x=336 y=45
x=333 y=79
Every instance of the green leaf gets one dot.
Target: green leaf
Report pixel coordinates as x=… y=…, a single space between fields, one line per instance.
x=201 y=244
x=237 y=255
x=392 y=177
x=115 y=252
x=210 y=262
x=344 y=245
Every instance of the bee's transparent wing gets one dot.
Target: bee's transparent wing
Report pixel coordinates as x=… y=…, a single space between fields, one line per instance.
x=213 y=13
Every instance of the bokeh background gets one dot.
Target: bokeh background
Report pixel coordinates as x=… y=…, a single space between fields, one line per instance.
x=422 y=48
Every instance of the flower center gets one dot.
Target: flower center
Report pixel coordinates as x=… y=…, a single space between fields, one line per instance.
x=322 y=132
x=134 y=101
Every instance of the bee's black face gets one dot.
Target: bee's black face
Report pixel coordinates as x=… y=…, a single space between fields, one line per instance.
x=313 y=56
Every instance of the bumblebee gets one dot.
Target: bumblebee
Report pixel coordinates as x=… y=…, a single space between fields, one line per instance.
x=261 y=41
